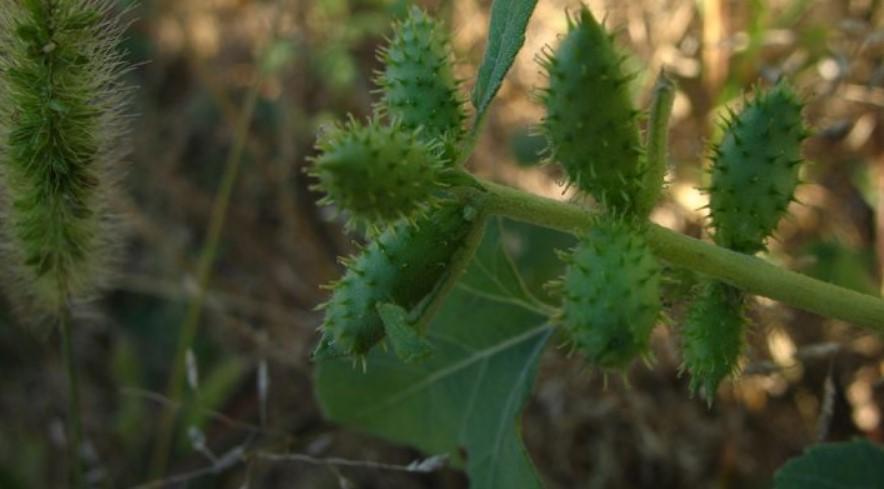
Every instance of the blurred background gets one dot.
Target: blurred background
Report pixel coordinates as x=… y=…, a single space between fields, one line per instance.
x=269 y=74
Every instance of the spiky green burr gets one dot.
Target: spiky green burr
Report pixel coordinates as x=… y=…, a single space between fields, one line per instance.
x=378 y=173
x=611 y=293
x=756 y=168
x=590 y=123
x=713 y=336
x=402 y=266
x=418 y=85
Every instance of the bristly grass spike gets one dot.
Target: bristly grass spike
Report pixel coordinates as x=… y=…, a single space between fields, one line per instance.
x=62 y=104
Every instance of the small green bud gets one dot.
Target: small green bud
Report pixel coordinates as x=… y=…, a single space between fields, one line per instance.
x=656 y=144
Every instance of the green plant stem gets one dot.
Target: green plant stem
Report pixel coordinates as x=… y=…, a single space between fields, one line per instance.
x=204 y=273
x=458 y=265
x=745 y=272
x=471 y=140
x=75 y=420
x=657 y=143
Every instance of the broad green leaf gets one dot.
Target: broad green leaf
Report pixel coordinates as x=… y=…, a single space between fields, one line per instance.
x=468 y=396
x=495 y=275
x=849 y=465
x=506 y=34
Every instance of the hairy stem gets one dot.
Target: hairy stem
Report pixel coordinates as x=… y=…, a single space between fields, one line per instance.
x=657 y=143
x=75 y=423
x=458 y=266
x=472 y=138
x=749 y=273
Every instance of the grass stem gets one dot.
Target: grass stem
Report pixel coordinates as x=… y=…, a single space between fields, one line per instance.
x=75 y=420
x=205 y=265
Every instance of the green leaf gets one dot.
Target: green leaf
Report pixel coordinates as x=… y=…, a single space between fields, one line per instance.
x=496 y=277
x=849 y=465
x=214 y=389
x=466 y=398
x=506 y=34
x=409 y=346
x=468 y=394
x=835 y=262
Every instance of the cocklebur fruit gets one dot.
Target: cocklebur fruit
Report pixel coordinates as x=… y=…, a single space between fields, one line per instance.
x=755 y=169
x=402 y=267
x=61 y=142
x=611 y=293
x=755 y=172
x=378 y=173
x=590 y=123
x=417 y=83
x=713 y=336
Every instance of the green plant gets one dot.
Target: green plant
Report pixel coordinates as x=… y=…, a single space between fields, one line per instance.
x=378 y=173
x=755 y=169
x=61 y=111
x=713 y=336
x=590 y=122
x=400 y=268
x=417 y=84
x=62 y=102
x=610 y=290
x=754 y=175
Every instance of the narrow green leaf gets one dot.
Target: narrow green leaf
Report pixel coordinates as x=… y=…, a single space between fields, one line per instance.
x=506 y=34
x=409 y=346
x=215 y=388
x=849 y=465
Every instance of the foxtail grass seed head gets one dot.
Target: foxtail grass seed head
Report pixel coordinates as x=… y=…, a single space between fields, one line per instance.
x=61 y=127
